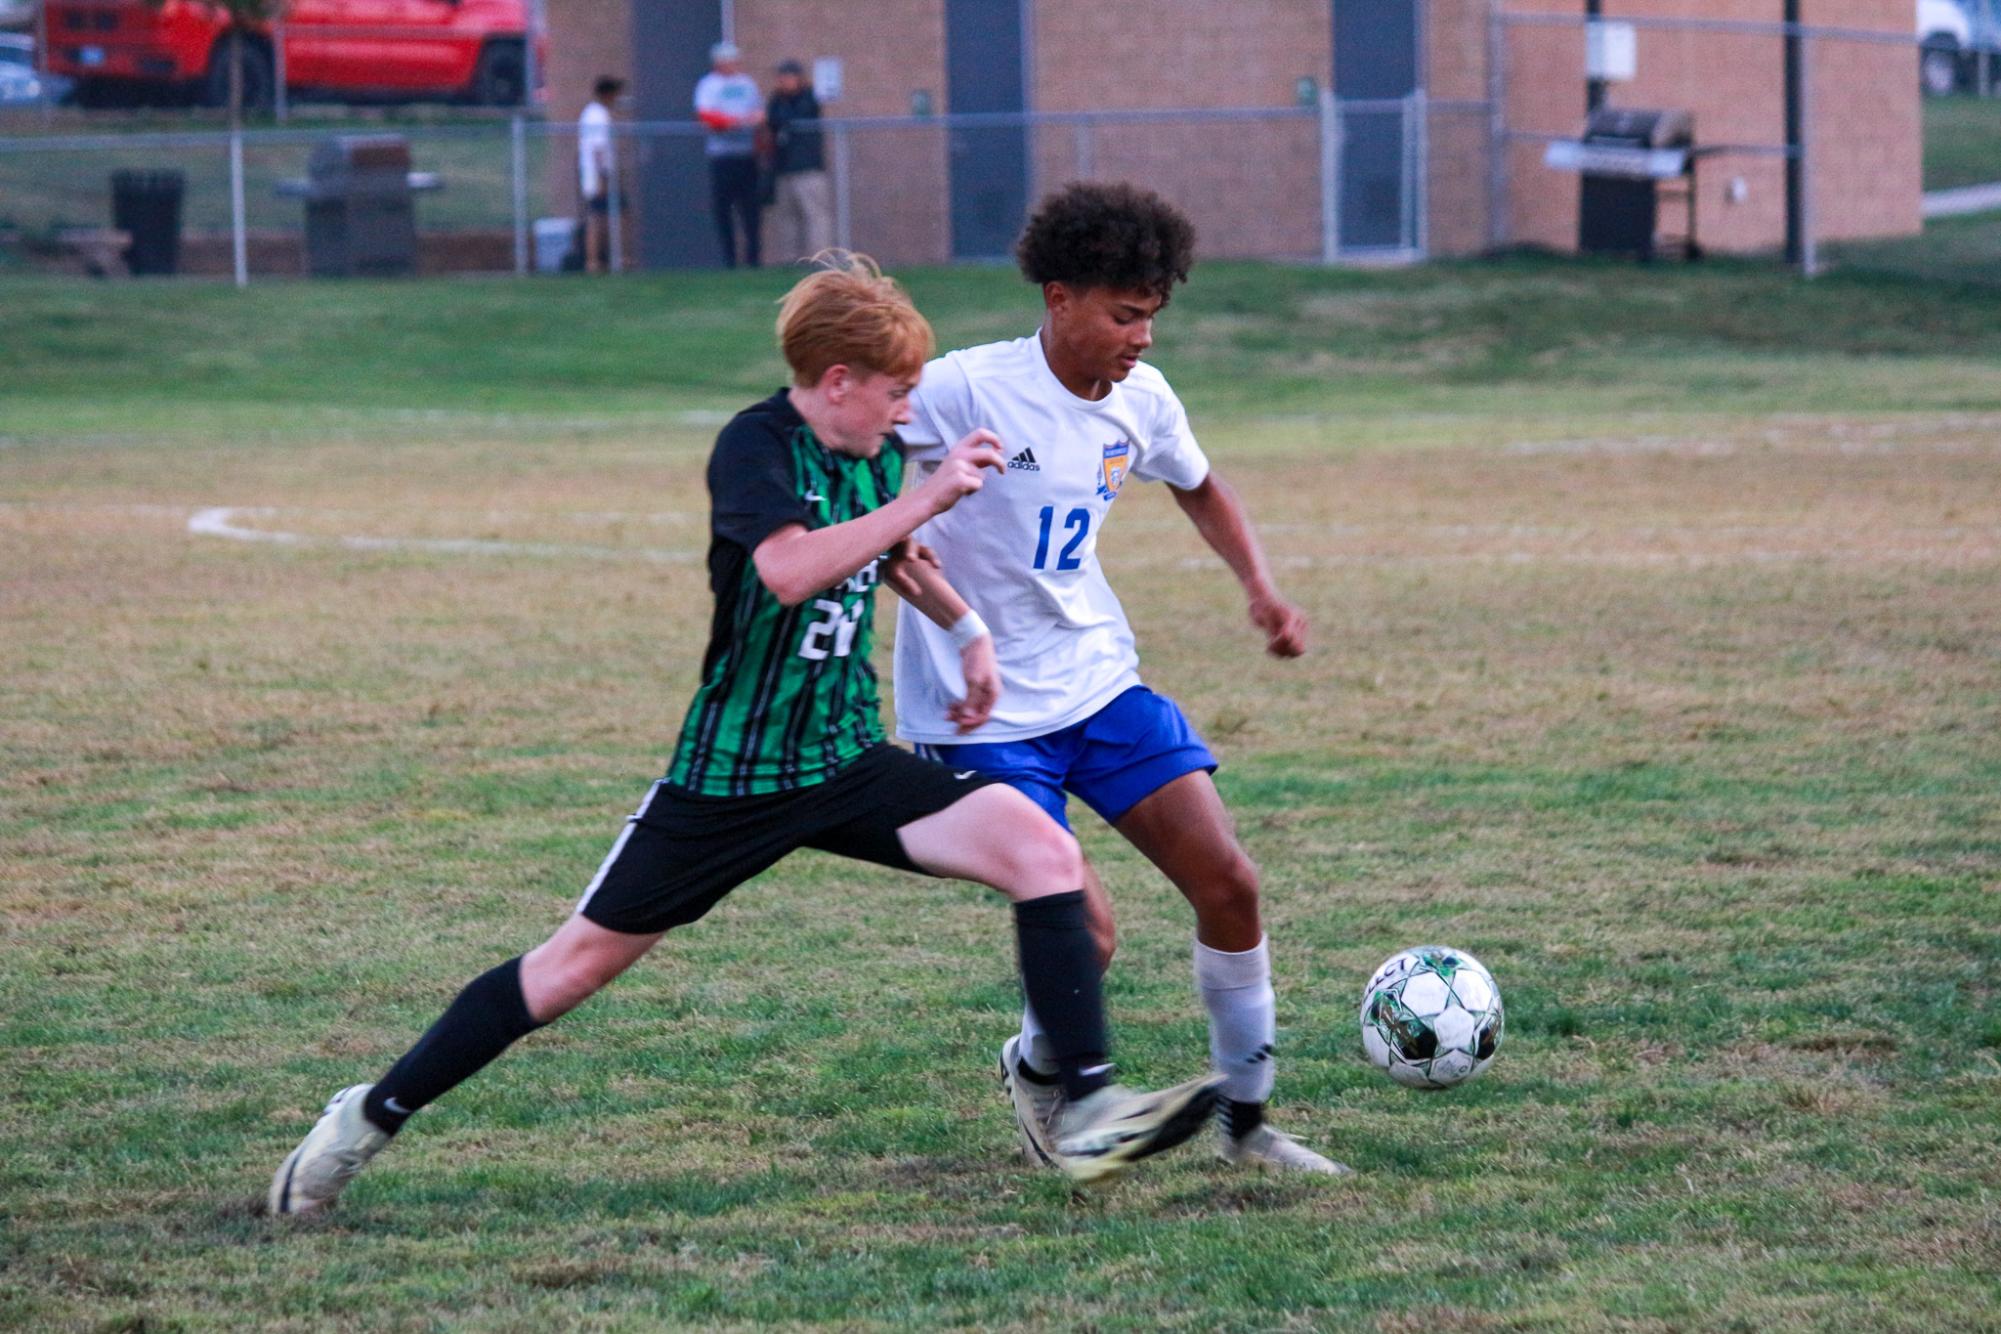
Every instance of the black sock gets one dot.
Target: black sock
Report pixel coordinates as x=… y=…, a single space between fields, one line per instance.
x=1241 y=1118
x=1059 y=971
x=483 y=1022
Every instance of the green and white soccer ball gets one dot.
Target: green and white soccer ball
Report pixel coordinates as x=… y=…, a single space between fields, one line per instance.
x=1431 y=1017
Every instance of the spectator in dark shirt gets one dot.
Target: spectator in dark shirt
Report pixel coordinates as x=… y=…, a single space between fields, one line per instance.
x=803 y=207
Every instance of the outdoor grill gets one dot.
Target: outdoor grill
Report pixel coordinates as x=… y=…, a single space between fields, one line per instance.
x=1626 y=156
x=361 y=216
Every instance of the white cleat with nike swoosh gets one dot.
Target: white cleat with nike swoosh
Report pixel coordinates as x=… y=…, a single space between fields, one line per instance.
x=338 y=1146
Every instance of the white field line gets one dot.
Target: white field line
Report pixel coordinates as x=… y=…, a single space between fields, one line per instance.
x=1938 y=555
x=1949 y=543
x=219 y=521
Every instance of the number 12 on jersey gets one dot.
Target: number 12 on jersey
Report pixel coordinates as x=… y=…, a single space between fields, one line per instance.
x=1078 y=523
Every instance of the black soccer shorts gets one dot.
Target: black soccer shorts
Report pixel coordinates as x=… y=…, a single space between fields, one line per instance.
x=681 y=853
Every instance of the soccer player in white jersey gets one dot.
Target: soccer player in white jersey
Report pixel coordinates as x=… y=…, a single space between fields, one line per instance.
x=1080 y=416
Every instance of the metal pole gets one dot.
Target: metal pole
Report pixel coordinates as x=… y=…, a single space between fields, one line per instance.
x=531 y=54
x=239 y=235
x=1795 y=154
x=1809 y=250
x=1330 y=177
x=1497 y=128
x=1087 y=165
x=1594 y=89
x=1407 y=203
x=281 y=104
x=518 y=164
x=843 y=211
x=1421 y=194
x=615 y=202
x=1983 y=50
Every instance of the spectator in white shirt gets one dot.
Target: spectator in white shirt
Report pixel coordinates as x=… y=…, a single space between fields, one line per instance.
x=727 y=101
x=596 y=166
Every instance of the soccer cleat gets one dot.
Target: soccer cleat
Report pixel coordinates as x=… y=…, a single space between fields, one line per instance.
x=1102 y=1135
x=337 y=1147
x=1036 y=1107
x=1274 y=1150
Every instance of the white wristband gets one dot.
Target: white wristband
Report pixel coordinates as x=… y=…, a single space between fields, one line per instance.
x=967 y=629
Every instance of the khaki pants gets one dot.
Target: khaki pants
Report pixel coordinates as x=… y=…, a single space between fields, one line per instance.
x=802 y=216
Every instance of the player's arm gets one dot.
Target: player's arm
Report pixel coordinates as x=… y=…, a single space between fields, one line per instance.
x=915 y=575
x=1213 y=507
x=796 y=562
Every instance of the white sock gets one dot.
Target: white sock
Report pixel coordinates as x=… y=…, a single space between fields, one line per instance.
x=1035 y=1052
x=1236 y=990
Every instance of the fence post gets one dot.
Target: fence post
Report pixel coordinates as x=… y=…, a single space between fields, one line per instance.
x=615 y=203
x=238 y=227
x=1421 y=170
x=1330 y=177
x=1809 y=248
x=843 y=212
x=1087 y=165
x=518 y=164
x=1407 y=204
x=281 y=105
x=1497 y=130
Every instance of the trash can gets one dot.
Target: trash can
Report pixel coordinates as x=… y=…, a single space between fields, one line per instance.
x=361 y=216
x=1625 y=156
x=146 y=205
x=555 y=239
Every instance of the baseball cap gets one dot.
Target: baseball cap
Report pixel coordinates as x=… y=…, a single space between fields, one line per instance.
x=724 y=51
x=790 y=67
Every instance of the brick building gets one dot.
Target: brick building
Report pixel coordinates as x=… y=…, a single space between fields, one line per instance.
x=1413 y=85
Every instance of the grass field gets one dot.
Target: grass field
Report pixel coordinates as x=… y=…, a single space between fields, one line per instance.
x=1962 y=141
x=1658 y=659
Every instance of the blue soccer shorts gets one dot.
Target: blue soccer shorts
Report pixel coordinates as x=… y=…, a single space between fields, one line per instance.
x=1114 y=759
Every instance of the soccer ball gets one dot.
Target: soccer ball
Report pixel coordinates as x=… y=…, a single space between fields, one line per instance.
x=1431 y=1017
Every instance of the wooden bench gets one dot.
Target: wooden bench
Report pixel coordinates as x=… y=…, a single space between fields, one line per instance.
x=91 y=251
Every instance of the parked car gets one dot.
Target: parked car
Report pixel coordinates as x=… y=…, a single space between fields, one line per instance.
x=473 y=50
x=1945 y=39
x=21 y=84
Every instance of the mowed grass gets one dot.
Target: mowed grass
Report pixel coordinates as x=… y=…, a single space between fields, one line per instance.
x=1656 y=661
x=1962 y=141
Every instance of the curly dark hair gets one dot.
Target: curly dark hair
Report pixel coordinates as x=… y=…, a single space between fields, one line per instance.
x=1093 y=234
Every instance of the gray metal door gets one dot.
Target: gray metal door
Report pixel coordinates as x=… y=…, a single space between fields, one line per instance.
x=984 y=72
x=1377 y=63
x=670 y=52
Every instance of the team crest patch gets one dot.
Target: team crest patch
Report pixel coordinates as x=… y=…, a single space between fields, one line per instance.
x=1118 y=456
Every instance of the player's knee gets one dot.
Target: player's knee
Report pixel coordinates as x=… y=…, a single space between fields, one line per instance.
x=557 y=981
x=1233 y=891
x=1052 y=858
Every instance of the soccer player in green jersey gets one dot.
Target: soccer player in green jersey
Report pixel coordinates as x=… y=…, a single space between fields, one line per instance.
x=783 y=748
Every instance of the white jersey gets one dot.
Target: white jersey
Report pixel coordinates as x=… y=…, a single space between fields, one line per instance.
x=1023 y=550
x=593 y=149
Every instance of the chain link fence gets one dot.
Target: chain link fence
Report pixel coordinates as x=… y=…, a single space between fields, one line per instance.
x=1860 y=172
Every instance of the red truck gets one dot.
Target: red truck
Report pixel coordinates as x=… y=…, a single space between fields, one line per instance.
x=122 y=50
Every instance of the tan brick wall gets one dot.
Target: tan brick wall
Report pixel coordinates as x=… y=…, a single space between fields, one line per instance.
x=1177 y=53
x=1252 y=188
x=587 y=40
x=1864 y=139
x=888 y=50
x=1457 y=141
x=1865 y=132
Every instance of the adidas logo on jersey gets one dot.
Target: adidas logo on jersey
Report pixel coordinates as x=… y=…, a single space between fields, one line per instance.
x=1025 y=461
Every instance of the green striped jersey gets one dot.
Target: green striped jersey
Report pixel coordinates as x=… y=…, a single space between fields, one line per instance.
x=788 y=696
